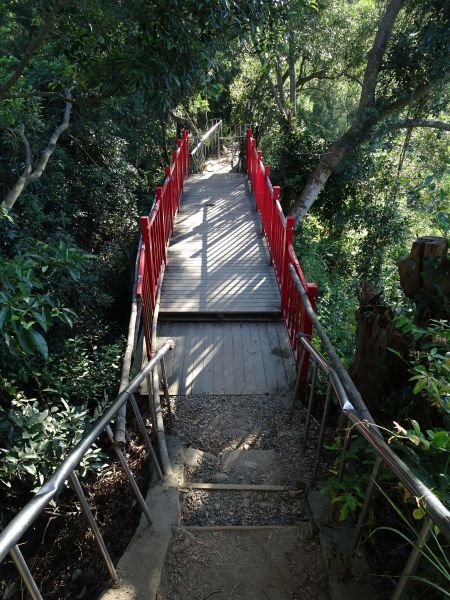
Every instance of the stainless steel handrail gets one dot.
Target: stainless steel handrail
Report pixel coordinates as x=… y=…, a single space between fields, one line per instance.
x=14 y=531
x=200 y=151
x=362 y=421
x=206 y=136
x=428 y=500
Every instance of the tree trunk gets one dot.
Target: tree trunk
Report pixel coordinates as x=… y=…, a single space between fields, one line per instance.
x=369 y=368
x=364 y=122
x=328 y=163
x=292 y=77
x=30 y=176
x=425 y=278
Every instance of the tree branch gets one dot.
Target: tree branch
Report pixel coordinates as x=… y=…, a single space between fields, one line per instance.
x=28 y=176
x=370 y=113
x=280 y=84
x=322 y=74
x=376 y=53
x=292 y=78
x=413 y=96
x=410 y=123
x=33 y=47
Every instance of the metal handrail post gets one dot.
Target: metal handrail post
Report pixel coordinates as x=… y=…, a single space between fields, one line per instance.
x=130 y=476
x=145 y=435
x=86 y=509
x=310 y=402
x=413 y=560
x=165 y=387
x=322 y=432
x=25 y=573
x=366 y=505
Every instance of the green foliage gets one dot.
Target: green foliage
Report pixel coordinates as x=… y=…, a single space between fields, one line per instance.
x=426 y=445
x=432 y=551
x=84 y=372
x=349 y=493
x=28 y=300
x=433 y=199
x=72 y=388
x=33 y=439
x=328 y=262
x=430 y=366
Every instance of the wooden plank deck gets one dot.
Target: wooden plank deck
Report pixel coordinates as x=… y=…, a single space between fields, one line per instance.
x=218 y=262
x=235 y=358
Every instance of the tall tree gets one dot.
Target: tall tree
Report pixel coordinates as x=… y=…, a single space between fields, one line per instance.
x=385 y=90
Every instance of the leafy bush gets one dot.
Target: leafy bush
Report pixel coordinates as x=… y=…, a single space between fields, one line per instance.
x=29 y=304
x=349 y=493
x=34 y=439
x=426 y=444
x=71 y=388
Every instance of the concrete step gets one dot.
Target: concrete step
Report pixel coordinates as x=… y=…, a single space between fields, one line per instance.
x=142 y=563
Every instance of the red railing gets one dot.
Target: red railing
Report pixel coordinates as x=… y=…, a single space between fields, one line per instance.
x=156 y=231
x=279 y=233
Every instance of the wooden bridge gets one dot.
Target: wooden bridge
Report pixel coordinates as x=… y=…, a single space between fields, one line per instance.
x=221 y=252
x=220 y=300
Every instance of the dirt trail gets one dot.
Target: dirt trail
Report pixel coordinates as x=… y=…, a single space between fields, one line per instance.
x=242 y=544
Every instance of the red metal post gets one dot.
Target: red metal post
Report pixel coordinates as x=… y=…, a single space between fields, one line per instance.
x=175 y=177
x=252 y=164
x=146 y=239
x=180 y=160
x=247 y=158
x=266 y=202
x=273 y=227
x=162 y=233
x=188 y=156
x=259 y=182
x=288 y=239
x=182 y=154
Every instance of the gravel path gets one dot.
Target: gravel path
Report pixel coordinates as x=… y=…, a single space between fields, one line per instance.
x=243 y=508
x=243 y=439
x=215 y=424
x=273 y=564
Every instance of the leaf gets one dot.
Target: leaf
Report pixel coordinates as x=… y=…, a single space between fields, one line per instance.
x=74 y=274
x=440 y=439
x=31 y=469
x=396 y=352
x=4 y=316
x=421 y=383
x=416 y=426
x=414 y=439
x=419 y=513
x=40 y=343
x=26 y=340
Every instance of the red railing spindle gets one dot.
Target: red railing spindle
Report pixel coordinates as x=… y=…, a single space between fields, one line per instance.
x=279 y=233
x=288 y=239
x=156 y=231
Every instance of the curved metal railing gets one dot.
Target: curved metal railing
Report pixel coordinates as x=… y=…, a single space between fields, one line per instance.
x=360 y=420
x=205 y=146
x=12 y=534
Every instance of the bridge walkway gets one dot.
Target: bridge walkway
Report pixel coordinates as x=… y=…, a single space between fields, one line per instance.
x=218 y=263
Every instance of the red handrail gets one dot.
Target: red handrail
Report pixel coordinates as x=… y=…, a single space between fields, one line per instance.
x=279 y=234
x=157 y=228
